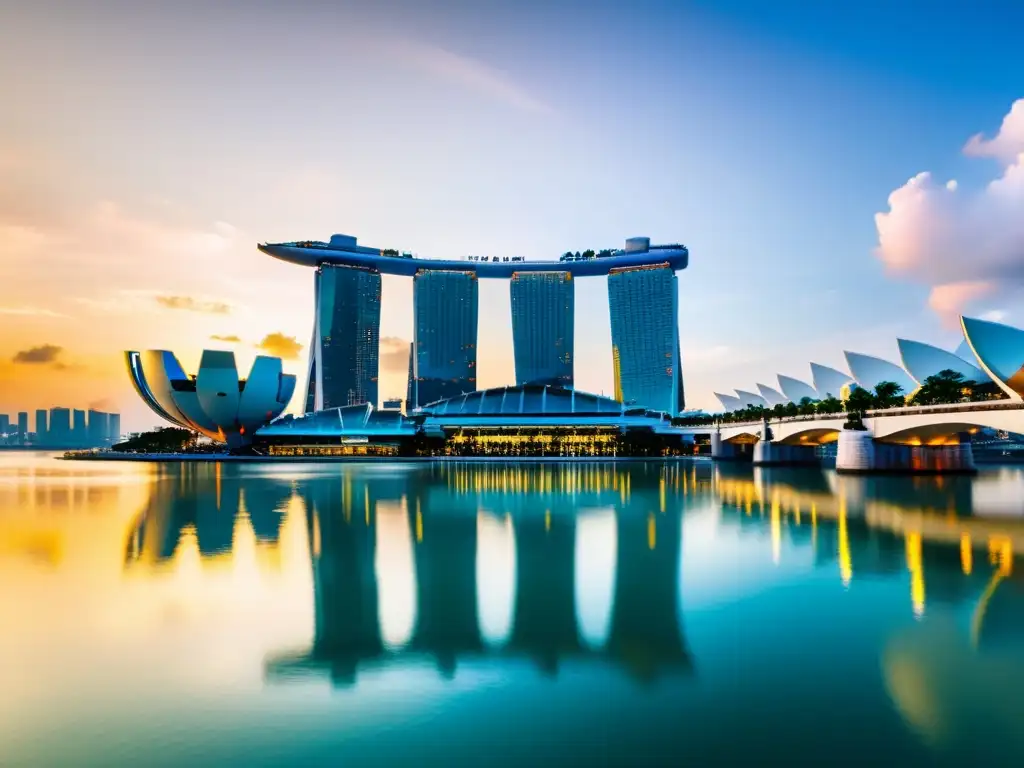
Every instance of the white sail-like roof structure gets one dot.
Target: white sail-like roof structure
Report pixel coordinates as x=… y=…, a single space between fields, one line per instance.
x=795 y=389
x=828 y=382
x=749 y=399
x=869 y=372
x=772 y=396
x=923 y=360
x=729 y=402
x=999 y=350
x=964 y=350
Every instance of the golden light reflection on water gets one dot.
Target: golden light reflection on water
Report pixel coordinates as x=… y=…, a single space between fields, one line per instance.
x=941 y=674
x=187 y=579
x=930 y=513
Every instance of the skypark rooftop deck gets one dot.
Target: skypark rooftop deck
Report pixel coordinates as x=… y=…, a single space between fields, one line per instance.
x=343 y=249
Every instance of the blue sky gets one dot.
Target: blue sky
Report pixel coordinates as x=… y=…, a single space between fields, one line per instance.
x=765 y=136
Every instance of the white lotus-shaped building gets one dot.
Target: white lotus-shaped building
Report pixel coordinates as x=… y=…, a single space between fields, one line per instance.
x=214 y=402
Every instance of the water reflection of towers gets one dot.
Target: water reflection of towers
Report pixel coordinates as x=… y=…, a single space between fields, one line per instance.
x=444 y=509
x=203 y=506
x=926 y=526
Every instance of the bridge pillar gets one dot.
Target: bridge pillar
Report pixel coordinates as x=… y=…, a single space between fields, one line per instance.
x=724 y=451
x=858 y=451
x=769 y=453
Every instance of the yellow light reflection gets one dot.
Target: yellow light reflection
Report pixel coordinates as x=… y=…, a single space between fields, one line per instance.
x=914 y=565
x=845 y=560
x=966 y=554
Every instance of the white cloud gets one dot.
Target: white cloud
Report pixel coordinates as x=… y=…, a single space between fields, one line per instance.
x=30 y=312
x=967 y=245
x=1008 y=143
x=134 y=302
x=470 y=73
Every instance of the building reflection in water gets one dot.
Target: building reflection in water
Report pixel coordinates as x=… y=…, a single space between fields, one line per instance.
x=526 y=514
x=544 y=562
x=554 y=562
x=863 y=526
x=949 y=679
x=205 y=507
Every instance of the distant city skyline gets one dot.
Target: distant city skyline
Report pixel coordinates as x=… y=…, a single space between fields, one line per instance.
x=61 y=427
x=840 y=179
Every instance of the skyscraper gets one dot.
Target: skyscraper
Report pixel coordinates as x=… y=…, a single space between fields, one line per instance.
x=60 y=427
x=114 y=421
x=5 y=423
x=79 y=429
x=410 y=385
x=99 y=428
x=445 y=311
x=42 y=427
x=643 y=304
x=543 y=306
x=344 y=359
x=23 y=427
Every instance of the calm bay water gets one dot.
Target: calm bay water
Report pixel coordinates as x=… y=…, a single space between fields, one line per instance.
x=499 y=614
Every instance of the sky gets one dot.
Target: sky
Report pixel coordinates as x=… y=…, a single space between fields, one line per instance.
x=843 y=175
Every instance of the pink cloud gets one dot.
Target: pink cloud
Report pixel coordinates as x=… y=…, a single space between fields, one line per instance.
x=949 y=300
x=1008 y=143
x=966 y=244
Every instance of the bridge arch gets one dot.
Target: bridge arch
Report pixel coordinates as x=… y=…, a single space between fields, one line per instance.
x=937 y=427
x=742 y=438
x=810 y=436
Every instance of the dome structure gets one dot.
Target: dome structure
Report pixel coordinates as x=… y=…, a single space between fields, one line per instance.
x=214 y=402
x=729 y=402
x=361 y=419
x=999 y=350
x=524 y=399
x=924 y=360
x=771 y=396
x=828 y=382
x=749 y=399
x=795 y=389
x=870 y=371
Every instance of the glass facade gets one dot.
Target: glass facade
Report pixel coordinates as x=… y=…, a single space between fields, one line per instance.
x=99 y=427
x=445 y=312
x=60 y=426
x=345 y=359
x=410 y=382
x=543 y=306
x=643 y=304
x=79 y=430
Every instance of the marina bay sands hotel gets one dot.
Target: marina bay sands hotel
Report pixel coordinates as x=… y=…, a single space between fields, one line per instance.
x=344 y=354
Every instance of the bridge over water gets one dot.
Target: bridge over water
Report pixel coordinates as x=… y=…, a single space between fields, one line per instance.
x=917 y=429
